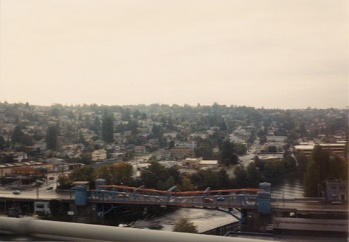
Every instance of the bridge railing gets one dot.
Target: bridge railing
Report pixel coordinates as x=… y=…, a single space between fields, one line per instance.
x=246 y=201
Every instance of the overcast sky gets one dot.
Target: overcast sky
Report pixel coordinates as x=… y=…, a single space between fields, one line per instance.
x=259 y=53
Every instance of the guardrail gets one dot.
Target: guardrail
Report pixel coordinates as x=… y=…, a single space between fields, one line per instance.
x=224 y=229
x=84 y=232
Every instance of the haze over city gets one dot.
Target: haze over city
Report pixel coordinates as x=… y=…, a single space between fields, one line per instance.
x=273 y=54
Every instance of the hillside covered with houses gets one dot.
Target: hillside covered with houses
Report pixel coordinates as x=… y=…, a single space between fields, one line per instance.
x=193 y=137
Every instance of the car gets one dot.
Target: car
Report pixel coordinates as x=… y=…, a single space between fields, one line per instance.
x=220 y=198
x=16 y=192
x=51 y=178
x=50 y=188
x=208 y=200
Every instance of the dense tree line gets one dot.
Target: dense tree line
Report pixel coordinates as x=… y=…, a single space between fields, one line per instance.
x=323 y=167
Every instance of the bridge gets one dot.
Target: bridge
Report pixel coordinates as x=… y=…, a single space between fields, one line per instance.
x=255 y=206
x=224 y=200
x=258 y=211
x=231 y=198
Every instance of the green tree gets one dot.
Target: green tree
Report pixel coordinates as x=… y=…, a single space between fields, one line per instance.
x=154 y=175
x=85 y=173
x=254 y=176
x=273 y=171
x=302 y=162
x=183 y=225
x=240 y=149
x=228 y=156
x=321 y=158
x=122 y=173
x=318 y=169
x=52 y=137
x=2 y=143
x=207 y=178
x=187 y=185
x=171 y=144
x=157 y=131
x=290 y=165
x=63 y=181
x=26 y=140
x=311 y=180
x=223 y=179
x=104 y=172
x=107 y=128
x=240 y=179
x=17 y=135
x=159 y=177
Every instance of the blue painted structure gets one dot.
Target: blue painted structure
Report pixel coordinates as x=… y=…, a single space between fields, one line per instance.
x=80 y=195
x=240 y=199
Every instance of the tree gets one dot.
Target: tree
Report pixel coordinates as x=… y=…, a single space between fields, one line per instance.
x=17 y=135
x=302 y=162
x=228 y=156
x=85 y=173
x=122 y=173
x=207 y=178
x=273 y=171
x=51 y=137
x=155 y=175
x=311 y=180
x=171 y=144
x=187 y=185
x=63 y=181
x=254 y=176
x=107 y=128
x=183 y=225
x=240 y=179
x=318 y=169
x=321 y=158
x=223 y=179
x=2 y=143
x=26 y=140
x=240 y=149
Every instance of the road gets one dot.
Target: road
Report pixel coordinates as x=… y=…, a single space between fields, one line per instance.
x=39 y=192
x=250 y=154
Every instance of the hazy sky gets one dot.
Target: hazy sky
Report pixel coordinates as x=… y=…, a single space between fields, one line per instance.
x=270 y=53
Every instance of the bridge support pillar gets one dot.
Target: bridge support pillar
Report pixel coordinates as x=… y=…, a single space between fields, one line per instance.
x=85 y=214
x=257 y=222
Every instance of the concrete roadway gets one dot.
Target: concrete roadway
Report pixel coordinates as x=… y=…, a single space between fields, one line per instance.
x=308 y=205
x=36 y=193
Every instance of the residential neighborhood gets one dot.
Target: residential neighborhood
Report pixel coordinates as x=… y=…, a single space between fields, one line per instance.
x=59 y=138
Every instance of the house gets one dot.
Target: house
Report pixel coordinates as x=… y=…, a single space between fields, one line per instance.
x=190 y=144
x=100 y=154
x=270 y=156
x=191 y=163
x=334 y=149
x=334 y=190
x=19 y=156
x=140 y=149
x=170 y=136
x=211 y=164
x=181 y=152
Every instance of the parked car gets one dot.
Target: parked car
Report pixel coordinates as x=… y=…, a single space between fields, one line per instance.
x=208 y=200
x=220 y=198
x=50 y=188
x=16 y=192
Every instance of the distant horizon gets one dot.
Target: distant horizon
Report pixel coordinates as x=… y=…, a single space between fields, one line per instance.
x=269 y=53
x=181 y=105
